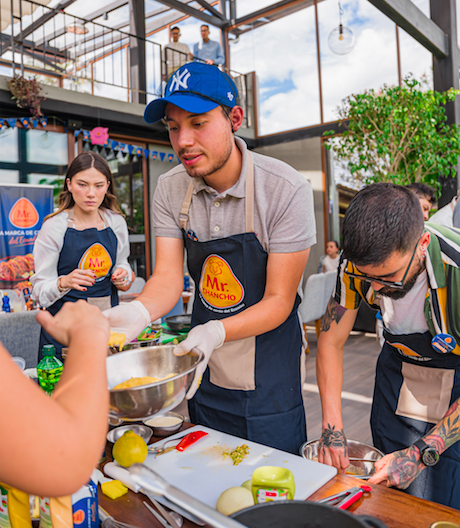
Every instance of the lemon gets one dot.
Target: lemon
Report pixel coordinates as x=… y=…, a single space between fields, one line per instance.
x=130 y=449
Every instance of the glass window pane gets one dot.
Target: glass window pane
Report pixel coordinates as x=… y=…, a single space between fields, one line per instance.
x=416 y=60
x=288 y=82
x=57 y=182
x=47 y=147
x=371 y=63
x=9 y=176
x=9 y=145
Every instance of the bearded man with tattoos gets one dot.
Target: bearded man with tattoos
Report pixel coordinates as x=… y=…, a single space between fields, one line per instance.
x=411 y=271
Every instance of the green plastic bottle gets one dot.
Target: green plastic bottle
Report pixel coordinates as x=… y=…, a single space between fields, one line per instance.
x=49 y=369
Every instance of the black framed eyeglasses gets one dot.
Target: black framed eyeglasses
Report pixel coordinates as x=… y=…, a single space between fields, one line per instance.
x=399 y=285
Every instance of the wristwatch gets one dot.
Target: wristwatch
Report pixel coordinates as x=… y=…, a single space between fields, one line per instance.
x=430 y=455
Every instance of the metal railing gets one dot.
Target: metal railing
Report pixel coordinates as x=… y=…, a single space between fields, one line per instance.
x=84 y=56
x=74 y=53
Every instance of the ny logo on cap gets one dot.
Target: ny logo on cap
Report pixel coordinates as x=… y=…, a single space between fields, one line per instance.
x=179 y=80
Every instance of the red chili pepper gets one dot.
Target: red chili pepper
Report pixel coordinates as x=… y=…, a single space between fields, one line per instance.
x=190 y=439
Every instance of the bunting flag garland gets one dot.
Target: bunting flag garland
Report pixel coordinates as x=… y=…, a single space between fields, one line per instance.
x=104 y=143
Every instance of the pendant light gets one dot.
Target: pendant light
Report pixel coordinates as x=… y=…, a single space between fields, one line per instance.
x=341 y=39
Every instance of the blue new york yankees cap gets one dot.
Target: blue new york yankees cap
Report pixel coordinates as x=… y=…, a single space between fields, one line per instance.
x=196 y=88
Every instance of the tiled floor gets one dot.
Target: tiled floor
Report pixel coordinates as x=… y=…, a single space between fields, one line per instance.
x=360 y=356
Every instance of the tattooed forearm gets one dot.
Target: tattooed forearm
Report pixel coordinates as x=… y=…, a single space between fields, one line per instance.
x=404 y=467
x=333 y=438
x=447 y=431
x=334 y=312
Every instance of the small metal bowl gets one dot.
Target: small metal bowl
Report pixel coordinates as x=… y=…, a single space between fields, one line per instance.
x=361 y=470
x=165 y=430
x=141 y=430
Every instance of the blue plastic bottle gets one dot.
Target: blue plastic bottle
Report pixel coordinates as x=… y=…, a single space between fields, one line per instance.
x=49 y=369
x=6 y=304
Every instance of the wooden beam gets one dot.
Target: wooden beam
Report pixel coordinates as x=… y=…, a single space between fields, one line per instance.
x=137 y=73
x=211 y=9
x=409 y=17
x=195 y=13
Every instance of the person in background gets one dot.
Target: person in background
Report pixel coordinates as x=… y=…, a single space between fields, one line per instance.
x=82 y=249
x=50 y=445
x=331 y=260
x=392 y=259
x=178 y=54
x=246 y=253
x=207 y=50
x=456 y=215
x=445 y=215
x=426 y=196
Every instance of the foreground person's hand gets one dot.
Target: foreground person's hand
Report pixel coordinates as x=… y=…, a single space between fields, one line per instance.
x=128 y=318
x=206 y=338
x=398 y=469
x=332 y=448
x=71 y=318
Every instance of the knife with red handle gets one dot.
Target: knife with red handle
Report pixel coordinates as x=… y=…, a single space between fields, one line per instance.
x=190 y=439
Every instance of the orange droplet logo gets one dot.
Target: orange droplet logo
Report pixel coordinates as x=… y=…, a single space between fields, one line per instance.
x=78 y=517
x=219 y=285
x=23 y=214
x=96 y=258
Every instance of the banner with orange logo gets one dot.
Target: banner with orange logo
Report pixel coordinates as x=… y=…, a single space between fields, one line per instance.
x=22 y=210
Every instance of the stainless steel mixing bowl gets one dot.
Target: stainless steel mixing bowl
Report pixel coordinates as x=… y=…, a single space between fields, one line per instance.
x=140 y=403
x=362 y=470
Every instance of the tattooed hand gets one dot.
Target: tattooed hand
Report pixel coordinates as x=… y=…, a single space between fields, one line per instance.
x=332 y=448
x=398 y=469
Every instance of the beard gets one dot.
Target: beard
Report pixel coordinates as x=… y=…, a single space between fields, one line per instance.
x=394 y=294
x=216 y=164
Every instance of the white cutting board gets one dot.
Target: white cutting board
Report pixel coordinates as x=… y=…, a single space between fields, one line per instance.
x=202 y=471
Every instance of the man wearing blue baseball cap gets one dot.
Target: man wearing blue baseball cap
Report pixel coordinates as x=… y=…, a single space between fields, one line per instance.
x=247 y=224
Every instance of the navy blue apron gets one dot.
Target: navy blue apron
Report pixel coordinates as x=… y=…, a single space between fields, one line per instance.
x=270 y=411
x=393 y=430
x=99 y=249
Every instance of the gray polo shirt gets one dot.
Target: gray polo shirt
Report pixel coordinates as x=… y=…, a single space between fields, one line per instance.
x=284 y=220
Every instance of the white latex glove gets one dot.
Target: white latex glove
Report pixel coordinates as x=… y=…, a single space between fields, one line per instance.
x=206 y=338
x=128 y=318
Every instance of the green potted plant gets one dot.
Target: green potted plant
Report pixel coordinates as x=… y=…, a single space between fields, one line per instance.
x=397 y=134
x=27 y=93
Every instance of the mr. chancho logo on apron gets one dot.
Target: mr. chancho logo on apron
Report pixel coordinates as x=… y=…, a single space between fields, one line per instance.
x=96 y=258
x=219 y=286
x=23 y=214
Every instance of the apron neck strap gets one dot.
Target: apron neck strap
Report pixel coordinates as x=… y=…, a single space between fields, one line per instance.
x=249 y=195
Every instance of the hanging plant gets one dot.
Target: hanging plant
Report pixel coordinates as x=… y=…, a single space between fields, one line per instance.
x=27 y=93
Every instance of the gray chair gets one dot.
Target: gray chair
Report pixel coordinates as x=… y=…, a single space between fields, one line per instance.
x=20 y=335
x=317 y=292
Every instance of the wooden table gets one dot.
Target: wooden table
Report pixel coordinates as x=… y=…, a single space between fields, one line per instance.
x=393 y=507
